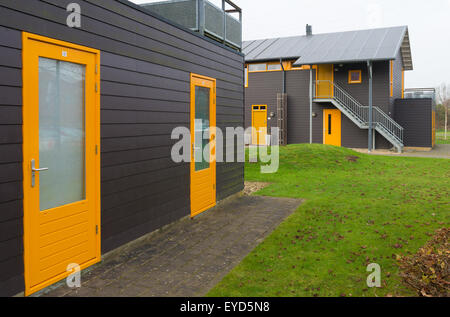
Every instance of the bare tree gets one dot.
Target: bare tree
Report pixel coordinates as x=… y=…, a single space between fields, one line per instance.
x=443 y=97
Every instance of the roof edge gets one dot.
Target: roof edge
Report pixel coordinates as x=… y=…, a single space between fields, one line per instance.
x=405 y=51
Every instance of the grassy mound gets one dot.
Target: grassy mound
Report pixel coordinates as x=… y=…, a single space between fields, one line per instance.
x=359 y=209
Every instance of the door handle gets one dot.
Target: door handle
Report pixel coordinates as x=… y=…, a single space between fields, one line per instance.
x=34 y=170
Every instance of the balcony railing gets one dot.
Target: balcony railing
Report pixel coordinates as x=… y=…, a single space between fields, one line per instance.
x=204 y=17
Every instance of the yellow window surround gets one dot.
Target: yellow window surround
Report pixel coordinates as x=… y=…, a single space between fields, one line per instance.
x=274 y=67
x=351 y=80
x=258 y=66
x=246 y=76
x=403 y=83
x=292 y=67
x=265 y=67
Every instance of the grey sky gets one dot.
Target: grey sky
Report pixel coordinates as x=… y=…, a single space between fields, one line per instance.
x=428 y=22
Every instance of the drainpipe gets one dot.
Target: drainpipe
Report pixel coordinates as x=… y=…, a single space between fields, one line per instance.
x=310 y=103
x=284 y=91
x=284 y=77
x=370 y=70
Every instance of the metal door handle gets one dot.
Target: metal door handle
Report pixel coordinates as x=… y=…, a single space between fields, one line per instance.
x=37 y=169
x=34 y=170
x=40 y=169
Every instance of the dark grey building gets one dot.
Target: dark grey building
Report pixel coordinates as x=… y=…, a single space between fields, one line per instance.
x=319 y=88
x=86 y=115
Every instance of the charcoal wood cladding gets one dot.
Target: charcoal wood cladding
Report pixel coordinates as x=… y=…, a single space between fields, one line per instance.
x=415 y=116
x=264 y=86
x=145 y=92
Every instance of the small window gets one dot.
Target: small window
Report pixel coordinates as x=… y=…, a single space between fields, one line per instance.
x=257 y=67
x=262 y=107
x=329 y=124
x=255 y=107
x=299 y=67
x=354 y=77
x=276 y=66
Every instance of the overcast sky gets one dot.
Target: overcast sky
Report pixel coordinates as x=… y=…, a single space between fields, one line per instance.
x=428 y=22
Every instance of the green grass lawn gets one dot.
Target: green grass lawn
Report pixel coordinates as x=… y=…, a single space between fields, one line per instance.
x=356 y=213
x=440 y=137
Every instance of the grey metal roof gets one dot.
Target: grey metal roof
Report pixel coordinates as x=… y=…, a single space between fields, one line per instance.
x=341 y=47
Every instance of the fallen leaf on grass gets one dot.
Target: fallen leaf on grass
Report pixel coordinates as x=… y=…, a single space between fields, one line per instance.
x=427 y=271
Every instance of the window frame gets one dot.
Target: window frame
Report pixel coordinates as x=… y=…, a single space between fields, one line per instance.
x=350 y=72
x=403 y=83
x=256 y=71
x=288 y=66
x=303 y=67
x=273 y=70
x=246 y=75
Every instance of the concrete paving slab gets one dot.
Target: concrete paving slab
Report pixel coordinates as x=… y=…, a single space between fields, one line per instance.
x=188 y=257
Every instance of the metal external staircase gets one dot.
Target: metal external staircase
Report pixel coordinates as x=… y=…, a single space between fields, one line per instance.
x=359 y=113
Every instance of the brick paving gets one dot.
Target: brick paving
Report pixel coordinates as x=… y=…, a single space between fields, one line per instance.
x=188 y=257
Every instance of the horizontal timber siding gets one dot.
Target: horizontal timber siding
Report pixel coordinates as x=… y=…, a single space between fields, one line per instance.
x=352 y=135
x=145 y=93
x=415 y=116
x=264 y=86
x=11 y=192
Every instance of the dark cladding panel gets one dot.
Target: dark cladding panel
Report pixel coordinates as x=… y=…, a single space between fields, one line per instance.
x=264 y=86
x=145 y=93
x=11 y=210
x=415 y=116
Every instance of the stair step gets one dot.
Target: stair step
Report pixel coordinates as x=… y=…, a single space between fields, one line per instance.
x=356 y=112
x=364 y=125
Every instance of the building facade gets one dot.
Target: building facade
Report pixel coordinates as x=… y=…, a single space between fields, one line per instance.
x=329 y=81
x=86 y=116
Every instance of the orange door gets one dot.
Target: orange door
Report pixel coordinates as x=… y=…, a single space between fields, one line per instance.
x=61 y=159
x=324 y=85
x=203 y=161
x=259 y=124
x=332 y=127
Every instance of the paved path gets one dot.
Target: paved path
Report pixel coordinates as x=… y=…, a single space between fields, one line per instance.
x=439 y=151
x=189 y=257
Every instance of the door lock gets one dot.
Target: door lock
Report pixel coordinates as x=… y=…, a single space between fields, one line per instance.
x=34 y=170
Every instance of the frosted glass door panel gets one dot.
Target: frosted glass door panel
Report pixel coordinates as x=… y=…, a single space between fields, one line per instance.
x=61 y=133
x=202 y=154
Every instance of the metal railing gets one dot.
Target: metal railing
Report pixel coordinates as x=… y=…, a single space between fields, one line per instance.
x=325 y=89
x=204 y=17
x=381 y=119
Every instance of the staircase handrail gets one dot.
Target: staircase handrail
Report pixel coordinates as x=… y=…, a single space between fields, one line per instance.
x=361 y=112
